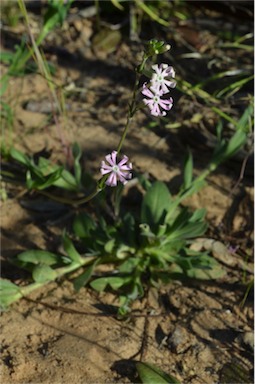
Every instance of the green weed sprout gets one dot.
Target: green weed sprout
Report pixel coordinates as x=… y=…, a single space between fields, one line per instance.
x=56 y=14
x=148 y=247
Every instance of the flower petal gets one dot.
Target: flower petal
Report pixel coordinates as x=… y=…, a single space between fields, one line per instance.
x=123 y=161
x=112 y=180
x=109 y=159
x=147 y=92
x=105 y=171
x=114 y=157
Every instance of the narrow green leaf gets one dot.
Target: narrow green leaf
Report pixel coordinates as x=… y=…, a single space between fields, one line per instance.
x=188 y=170
x=83 y=225
x=70 y=249
x=66 y=181
x=46 y=182
x=150 y=374
x=155 y=205
x=228 y=149
x=198 y=215
x=117 y=4
x=83 y=278
x=243 y=123
x=19 y=156
x=224 y=115
x=189 y=231
x=151 y=13
x=235 y=143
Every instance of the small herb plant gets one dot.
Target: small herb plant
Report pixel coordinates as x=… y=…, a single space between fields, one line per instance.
x=149 y=246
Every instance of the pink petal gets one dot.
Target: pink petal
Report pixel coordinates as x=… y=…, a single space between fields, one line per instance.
x=155 y=110
x=126 y=167
x=123 y=161
x=106 y=166
x=166 y=104
x=147 y=92
x=109 y=159
x=105 y=171
x=114 y=157
x=148 y=102
x=123 y=178
x=156 y=68
x=112 y=180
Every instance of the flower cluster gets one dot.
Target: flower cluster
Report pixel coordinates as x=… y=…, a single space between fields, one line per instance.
x=117 y=171
x=161 y=81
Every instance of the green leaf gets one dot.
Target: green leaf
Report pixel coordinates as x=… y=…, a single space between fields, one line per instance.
x=9 y=293
x=150 y=374
x=55 y=14
x=8 y=287
x=124 y=251
x=243 y=123
x=155 y=205
x=188 y=170
x=129 y=265
x=19 y=156
x=227 y=150
x=189 y=231
x=83 y=225
x=117 y=5
x=235 y=143
x=62 y=178
x=43 y=273
x=83 y=278
x=99 y=284
x=198 y=215
x=114 y=282
x=36 y=256
x=41 y=184
x=109 y=245
x=214 y=271
x=66 y=181
x=150 y=12
x=70 y=249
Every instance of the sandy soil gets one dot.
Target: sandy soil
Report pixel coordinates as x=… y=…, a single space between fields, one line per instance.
x=199 y=332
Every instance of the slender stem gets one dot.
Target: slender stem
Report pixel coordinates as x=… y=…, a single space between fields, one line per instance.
x=98 y=22
x=70 y=201
x=129 y=119
x=132 y=107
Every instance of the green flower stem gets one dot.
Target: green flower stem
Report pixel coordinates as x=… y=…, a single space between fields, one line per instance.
x=133 y=107
x=77 y=202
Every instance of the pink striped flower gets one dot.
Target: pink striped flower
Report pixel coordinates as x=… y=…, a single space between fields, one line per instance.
x=160 y=79
x=117 y=171
x=155 y=102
